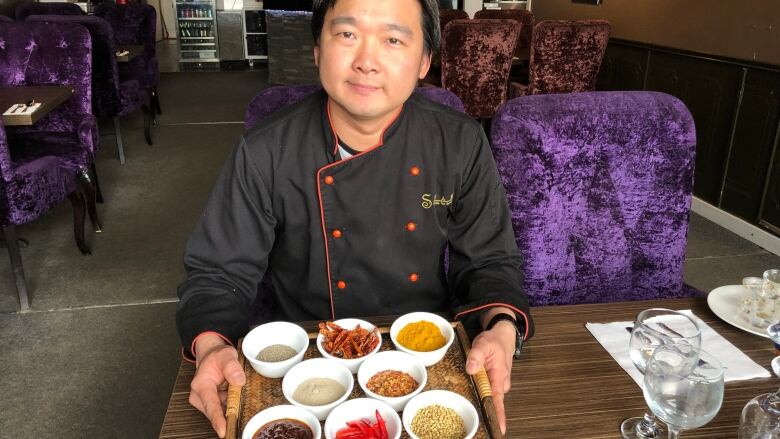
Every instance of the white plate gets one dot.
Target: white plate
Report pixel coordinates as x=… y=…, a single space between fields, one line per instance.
x=723 y=302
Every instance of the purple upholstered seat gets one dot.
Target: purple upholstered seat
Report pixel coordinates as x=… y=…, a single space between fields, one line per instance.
x=523 y=17
x=135 y=24
x=273 y=98
x=476 y=56
x=599 y=185
x=447 y=15
x=111 y=97
x=25 y=9
x=38 y=164
x=5 y=18
x=565 y=56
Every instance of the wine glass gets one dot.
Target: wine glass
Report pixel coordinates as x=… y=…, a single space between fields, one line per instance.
x=656 y=327
x=683 y=387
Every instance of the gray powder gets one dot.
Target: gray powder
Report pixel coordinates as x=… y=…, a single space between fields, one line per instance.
x=276 y=353
x=318 y=391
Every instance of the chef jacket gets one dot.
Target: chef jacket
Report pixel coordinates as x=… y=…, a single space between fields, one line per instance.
x=356 y=237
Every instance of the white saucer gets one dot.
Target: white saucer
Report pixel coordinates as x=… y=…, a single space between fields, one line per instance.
x=723 y=302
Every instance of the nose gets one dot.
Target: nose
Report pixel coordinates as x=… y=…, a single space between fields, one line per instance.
x=367 y=58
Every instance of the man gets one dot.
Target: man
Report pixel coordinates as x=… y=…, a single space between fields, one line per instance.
x=349 y=198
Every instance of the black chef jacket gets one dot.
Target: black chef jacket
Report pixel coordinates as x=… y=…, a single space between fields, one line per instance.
x=357 y=237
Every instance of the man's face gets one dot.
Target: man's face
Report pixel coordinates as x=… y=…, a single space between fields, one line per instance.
x=370 y=56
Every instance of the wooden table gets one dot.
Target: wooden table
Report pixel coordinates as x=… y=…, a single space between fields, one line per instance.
x=50 y=96
x=133 y=50
x=566 y=384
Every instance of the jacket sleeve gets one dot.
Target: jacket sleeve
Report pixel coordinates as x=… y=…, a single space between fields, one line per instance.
x=226 y=255
x=484 y=262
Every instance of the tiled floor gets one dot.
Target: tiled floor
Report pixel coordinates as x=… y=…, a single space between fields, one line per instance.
x=98 y=354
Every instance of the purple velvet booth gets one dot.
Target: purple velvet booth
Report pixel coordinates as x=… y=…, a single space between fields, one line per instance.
x=41 y=165
x=111 y=97
x=24 y=10
x=274 y=98
x=135 y=24
x=599 y=185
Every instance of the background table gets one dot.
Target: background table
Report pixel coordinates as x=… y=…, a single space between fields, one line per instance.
x=566 y=384
x=50 y=96
x=132 y=49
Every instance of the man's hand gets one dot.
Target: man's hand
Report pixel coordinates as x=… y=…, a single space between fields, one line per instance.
x=217 y=365
x=494 y=350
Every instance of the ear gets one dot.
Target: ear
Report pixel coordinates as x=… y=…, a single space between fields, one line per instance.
x=317 y=56
x=425 y=65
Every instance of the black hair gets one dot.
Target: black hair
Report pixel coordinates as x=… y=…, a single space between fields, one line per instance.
x=430 y=22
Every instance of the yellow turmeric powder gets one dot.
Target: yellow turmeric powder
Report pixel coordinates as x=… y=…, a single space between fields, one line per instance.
x=422 y=336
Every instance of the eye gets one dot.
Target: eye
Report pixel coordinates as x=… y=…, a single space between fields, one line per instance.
x=394 y=41
x=347 y=35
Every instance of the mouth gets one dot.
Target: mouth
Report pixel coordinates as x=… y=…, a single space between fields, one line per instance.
x=363 y=88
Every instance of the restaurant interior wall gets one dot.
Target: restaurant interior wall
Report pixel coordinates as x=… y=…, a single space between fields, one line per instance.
x=748 y=30
x=8 y=7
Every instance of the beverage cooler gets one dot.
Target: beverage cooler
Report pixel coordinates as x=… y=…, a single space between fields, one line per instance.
x=197 y=31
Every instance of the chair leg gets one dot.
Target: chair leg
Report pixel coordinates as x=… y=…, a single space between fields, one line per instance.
x=78 y=202
x=156 y=101
x=98 y=191
x=148 y=116
x=119 y=144
x=152 y=105
x=16 y=265
x=88 y=187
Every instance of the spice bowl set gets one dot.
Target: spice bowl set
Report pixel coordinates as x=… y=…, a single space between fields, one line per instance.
x=319 y=389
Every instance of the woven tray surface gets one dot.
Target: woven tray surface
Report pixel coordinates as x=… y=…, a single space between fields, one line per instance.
x=448 y=374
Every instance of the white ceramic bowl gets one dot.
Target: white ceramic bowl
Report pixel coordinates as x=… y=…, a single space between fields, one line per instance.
x=353 y=364
x=317 y=368
x=281 y=412
x=427 y=358
x=444 y=398
x=393 y=360
x=356 y=409
x=274 y=333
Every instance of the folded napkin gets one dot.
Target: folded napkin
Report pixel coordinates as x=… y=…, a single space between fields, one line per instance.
x=19 y=109
x=614 y=338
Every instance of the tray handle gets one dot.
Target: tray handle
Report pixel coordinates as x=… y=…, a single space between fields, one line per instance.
x=482 y=383
x=233 y=405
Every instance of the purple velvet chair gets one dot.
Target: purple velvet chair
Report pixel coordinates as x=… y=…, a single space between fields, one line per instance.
x=525 y=18
x=6 y=18
x=24 y=10
x=111 y=97
x=476 y=56
x=565 y=57
x=272 y=99
x=135 y=23
x=447 y=15
x=41 y=165
x=599 y=185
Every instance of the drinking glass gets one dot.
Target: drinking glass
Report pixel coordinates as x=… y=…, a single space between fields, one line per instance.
x=761 y=417
x=765 y=300
x=751 y=288
x=683 y=387
x=653 y=328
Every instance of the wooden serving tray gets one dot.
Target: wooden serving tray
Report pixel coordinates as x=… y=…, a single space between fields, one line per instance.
x=260 y=392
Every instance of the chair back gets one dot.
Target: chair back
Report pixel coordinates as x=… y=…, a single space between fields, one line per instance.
x=599 y=187
x=274 y=98
x=525 y=18
x=447 y=15
x=105 y=77
x=290 y=48
x=33 y=53
x=5 y=18
x=25 y=9
x=134 y=23
x=476 y=56
x=566 y=55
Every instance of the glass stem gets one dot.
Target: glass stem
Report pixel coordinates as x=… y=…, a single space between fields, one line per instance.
x=647 y=428
x=674 y=432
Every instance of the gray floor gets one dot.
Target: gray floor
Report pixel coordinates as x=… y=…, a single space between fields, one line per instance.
x=98 y=354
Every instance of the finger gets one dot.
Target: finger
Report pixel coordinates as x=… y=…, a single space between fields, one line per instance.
x=498 y=402
x=476 y=359
x=213 y=410
x=233 y=372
